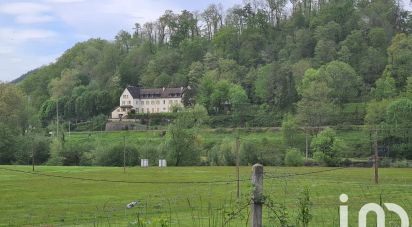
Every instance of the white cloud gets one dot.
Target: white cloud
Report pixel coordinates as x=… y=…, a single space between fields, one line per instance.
x=19 y=8
x=33 y=19
x=19 y=36
x=27 y=12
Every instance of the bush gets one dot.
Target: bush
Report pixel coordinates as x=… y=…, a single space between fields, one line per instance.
x=227 y=155
x=249 y=154
x=328 y=147
x=294 y=158
x=400 y=164
x=151 y=152
x=319 y=157
x=40 y=145
x=56 y=150
x=113 y=156
x=272 y=154
x=75 y=154
x=385 y=162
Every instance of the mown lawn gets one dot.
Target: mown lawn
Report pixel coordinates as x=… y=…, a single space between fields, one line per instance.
x=38 y=200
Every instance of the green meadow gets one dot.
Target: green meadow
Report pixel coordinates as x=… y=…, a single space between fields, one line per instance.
x=357 y=139
x=188 y=196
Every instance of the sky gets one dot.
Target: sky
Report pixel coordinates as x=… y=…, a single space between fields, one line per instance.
x=36 y=32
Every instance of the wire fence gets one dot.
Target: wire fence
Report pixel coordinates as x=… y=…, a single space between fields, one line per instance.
x=196 y=209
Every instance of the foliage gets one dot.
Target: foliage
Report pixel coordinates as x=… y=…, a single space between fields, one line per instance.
x=249 y=154
x=8 y=144
x=56 y=153
x=327 y=147
x=182 y=141
x=248 y=67
x=294 y=157
x=290 y=131
x=114 y=156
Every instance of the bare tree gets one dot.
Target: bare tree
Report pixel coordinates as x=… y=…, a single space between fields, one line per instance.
x=213 y=18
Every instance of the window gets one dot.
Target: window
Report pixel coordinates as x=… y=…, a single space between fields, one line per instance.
x=158 y=110
x=147 y=103
x=123 y=102
x=164 y=108
x=158 y=102
x=164 y=101
x=152 y=102
x=128 y=102
x=175 y=101
x=142 y=103
x=152 y=110
x=170 y=101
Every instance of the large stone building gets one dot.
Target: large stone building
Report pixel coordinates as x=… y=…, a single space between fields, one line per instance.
x=147 y=100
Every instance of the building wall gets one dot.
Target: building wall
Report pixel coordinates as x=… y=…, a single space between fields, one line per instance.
x=156 y=105
x=126 y=98
x=119 y=112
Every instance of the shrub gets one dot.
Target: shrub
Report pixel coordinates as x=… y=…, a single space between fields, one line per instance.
x=330 y=146
x=40 y=145
x=73 y=153
x=56 y=150
x=227 y=155
x=400 y=164
x=385 y=162
x=249 y=154
x=294 y=158
x=151 y=152
x=113 y=156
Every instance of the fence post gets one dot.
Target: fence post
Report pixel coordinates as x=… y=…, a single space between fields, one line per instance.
x=257 y=195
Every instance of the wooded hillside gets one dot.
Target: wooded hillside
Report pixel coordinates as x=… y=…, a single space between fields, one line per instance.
x=304 y=63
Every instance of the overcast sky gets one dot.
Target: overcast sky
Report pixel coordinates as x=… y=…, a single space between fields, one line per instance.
x=35 y=32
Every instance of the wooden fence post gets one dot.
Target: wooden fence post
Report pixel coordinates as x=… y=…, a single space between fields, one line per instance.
x=257 y=195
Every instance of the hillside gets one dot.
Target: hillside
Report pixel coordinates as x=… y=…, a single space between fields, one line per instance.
x=334 y=63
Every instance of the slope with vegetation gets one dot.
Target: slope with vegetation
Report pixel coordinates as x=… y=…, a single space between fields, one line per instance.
x=319 y=63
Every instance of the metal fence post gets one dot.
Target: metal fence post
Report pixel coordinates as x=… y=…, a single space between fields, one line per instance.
x=257 y=195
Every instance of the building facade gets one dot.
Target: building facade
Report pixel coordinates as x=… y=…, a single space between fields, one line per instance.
x=148 y=100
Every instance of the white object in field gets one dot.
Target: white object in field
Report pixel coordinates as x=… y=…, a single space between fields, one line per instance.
x=162 y=163
x=144 y=162
x=132 y=204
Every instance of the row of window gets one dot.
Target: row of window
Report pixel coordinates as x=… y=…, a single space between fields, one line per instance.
x=148 y=110
x=157 y=102
x=143 y=110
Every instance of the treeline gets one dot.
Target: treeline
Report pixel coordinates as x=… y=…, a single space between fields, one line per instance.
x=319 y=63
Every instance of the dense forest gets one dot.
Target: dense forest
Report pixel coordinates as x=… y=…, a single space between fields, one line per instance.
x=268 y=63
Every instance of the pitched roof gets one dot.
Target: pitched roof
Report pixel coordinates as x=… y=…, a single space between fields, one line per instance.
x=146 y=93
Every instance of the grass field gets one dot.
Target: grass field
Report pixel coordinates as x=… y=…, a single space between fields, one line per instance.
x=39 y=200
x=356 y=139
